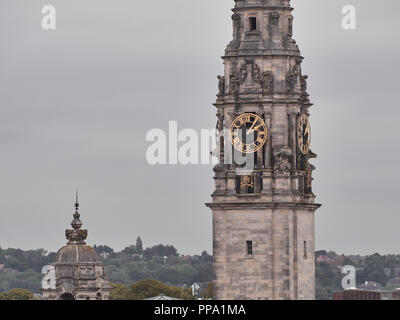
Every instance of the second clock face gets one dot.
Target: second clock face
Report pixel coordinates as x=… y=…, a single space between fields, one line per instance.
x=304 y=134
x=249 y=133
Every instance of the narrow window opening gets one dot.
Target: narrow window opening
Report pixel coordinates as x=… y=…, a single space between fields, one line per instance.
x=290 y=27
x=249 y=247
x=305 y=249
x=253 y=23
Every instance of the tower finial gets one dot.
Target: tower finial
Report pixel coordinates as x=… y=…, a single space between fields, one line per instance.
x=76 y=223
x=77 y=235
x=76 y=201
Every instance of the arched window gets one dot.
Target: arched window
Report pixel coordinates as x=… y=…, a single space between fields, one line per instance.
x=66 y=296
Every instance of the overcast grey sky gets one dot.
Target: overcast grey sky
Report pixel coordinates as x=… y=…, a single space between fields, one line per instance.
x=76 y=104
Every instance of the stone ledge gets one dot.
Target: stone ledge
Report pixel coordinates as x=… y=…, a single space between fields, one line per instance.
x=262 y=205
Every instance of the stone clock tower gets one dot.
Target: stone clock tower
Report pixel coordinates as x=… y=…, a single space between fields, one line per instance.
x=263 y=205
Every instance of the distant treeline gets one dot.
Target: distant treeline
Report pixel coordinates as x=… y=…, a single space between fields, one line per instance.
x=22 y=269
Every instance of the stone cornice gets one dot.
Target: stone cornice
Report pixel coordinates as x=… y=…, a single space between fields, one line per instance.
x=258 y=101
x=262 y=205
x=100 y=264
x=248 y=7
x=266 y=54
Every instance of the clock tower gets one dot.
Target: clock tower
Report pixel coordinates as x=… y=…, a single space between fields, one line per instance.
x=263 y=205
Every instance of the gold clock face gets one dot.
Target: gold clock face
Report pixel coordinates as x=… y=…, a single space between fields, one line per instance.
x=249 y=133
x=304 y=134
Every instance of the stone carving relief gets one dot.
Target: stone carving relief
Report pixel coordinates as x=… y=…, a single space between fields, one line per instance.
x=264 y=79
x=275 y=18
x=237 y=78
x=293 y=77
x=243 y=71
x=256 y=73
x=234 y=83
x=76 y=236
x=282 y=163
x=67 y=286
x=86 y=271
x=266 y=82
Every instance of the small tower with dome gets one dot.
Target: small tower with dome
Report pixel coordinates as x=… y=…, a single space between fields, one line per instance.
x=79 y=274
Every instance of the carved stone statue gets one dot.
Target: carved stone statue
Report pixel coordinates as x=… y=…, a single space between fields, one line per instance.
x=303 y=164
x=243 y=72
x=282 y=160
x=292 y=77
x=234 y=83
x=268 y=82
x=304 y=93
x=256 y=73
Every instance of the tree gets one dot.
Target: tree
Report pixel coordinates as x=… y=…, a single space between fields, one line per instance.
x=322 y=293
x=119 y=292
x=208 y=293
x=373 y=270
x=348 y=262
x=320 y=253
x=151 y=288
x=139 y=246
x=332 y=254
x=160 y=251
x=17 y=294
x=327 y=280
x=101 y=249
x=130 y=249
x=2 y=258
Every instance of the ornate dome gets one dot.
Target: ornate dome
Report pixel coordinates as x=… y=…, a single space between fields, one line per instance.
x=75 y=253
x=77 y=269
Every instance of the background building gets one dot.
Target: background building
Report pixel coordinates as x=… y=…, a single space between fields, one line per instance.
x=357 y=294
x=79 y=274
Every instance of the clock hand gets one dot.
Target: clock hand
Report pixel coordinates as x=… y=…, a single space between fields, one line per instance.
x=252 y=127
x=307 y=131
